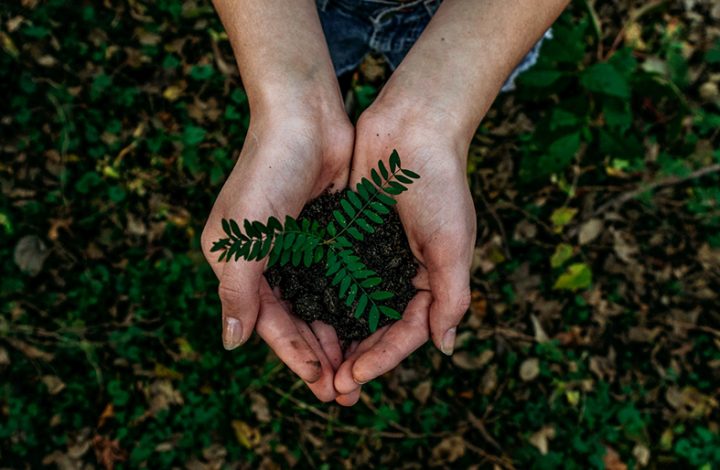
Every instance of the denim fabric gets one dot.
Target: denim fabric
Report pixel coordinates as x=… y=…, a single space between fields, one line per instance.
x=389 y=27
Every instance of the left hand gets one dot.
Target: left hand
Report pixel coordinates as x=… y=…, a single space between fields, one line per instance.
x=438 y=216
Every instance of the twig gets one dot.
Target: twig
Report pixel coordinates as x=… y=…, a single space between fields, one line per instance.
x=501 y=227
x=670 y=181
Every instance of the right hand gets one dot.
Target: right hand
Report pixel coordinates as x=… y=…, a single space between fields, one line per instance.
x=290 y=156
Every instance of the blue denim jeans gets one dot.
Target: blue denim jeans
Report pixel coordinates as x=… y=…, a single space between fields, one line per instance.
x=355 y=27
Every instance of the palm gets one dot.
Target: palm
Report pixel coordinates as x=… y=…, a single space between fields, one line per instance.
x=278 y=171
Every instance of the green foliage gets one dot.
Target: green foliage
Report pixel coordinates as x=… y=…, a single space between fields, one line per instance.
x=306 y=242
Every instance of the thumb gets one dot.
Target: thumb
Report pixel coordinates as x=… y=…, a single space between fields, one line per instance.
x=450 y=288
x=240 y=299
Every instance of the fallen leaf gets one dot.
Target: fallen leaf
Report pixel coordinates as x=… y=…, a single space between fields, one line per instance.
x=642 y=454
x=53 y=383
x=245 y=434
x=260 y=407
x=540 y=335
x=589 y=231
x=30 y=254
x=577 y=276
x=561 y=217
x=540 y=439
x=530 y=369
x=422 y=391
x=449 y=450
x=467 y=361
x=612 y=460
x=563 y=252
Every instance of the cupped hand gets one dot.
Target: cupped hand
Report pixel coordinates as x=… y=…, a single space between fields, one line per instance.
x=289 y=157
x=439 y=219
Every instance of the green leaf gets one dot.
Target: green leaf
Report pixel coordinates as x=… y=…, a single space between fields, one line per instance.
x=362 y=191
x=250 y=229
x=219 y=245
x=379 y=207
x=410 y=174
x=605 y=79
x=308 y=256
x=344 y=286
x=319 y=252
x=348 y=208
x=331 y=229
x=561 y=217
x=222 y=256
x=300 y=241
x=403 y=179
x=343 y=242
x=383 y=170
x=371 y=282
x=375 y=177
x=387 y=200
x=362 y=303
x=226 y=227
x=285 y=257
x=288 y=241
x=296 y=257
x=255 y=250
x=236 y=229
x=266 y=246
x=373 y=318
x=339 y=276
x=390 y=312
x=362 y=223
x=340 y=218
x=381 y=295
x=577 y=276
x=372 y=216
x=563 y=252
x=394 y=161
x=274 y=224
x=352 y=292
x=353 y=197
x=193 y=135
x=355 y=233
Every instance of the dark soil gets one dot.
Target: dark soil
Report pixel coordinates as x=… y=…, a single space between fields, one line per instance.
x=313 y=298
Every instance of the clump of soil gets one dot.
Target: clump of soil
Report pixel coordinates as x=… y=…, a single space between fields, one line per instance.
x=312 y=297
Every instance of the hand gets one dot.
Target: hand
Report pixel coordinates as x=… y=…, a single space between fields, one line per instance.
x=439 y=219
x=290 y=156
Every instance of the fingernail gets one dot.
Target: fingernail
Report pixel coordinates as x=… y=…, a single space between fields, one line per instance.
x=358 y=382
x=232 y=333
x=448 y=341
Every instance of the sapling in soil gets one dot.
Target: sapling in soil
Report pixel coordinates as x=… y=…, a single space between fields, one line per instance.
x=345 y=259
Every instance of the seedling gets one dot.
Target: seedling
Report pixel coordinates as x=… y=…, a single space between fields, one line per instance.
x=306 y=242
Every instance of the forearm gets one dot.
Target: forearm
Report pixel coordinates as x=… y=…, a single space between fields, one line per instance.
x=281 y=52
x=463 y=57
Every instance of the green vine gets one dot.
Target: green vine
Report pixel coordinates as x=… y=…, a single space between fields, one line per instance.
x=306 y=242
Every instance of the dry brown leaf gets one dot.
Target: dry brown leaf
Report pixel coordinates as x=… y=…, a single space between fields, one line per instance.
x=540 y=439
x=589 y=231
x=467 y=361
x=530 y=369
x=30 y=254
x=53 y=383
x=260 y=407
x=422 y=391
x=612 y=460
x=449 y=450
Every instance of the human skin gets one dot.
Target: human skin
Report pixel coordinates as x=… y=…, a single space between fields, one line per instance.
x=429 y=110
x=301 y=142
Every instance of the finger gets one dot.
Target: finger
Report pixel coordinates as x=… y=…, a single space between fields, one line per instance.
x=322 y=388
x=277 y=328
x=349 y=399
x=329 y=342
x=344 y=382
x=401 y=339
x=240 y=300
x=420 y=281
x=450 y=287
